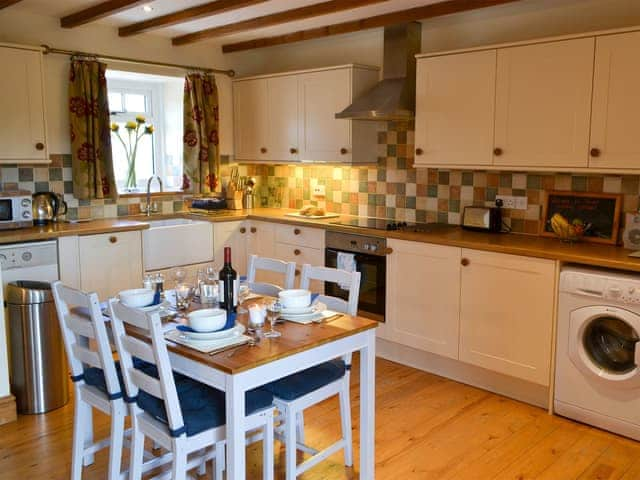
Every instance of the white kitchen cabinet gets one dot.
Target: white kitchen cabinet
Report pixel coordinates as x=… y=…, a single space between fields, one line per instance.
x=506 y=314
x=110 y=262
x=234 y=235
x=261 y=241
x=543 y=104
x=423 y=296
x=250 y=113
x=290 y=117
x=22 y=123
x=301 y=245
x=615 y=142
x=455 y=104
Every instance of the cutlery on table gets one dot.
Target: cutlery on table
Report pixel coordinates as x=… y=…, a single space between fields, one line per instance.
x=328 y=319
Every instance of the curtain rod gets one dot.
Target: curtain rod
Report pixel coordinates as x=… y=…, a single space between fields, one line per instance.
x=46 y=49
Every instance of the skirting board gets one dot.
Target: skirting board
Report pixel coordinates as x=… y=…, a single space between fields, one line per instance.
x=8 y=409
x=462 y=372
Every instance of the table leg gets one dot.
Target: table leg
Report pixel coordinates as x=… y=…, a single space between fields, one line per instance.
x=235 y=404
x=367 y=407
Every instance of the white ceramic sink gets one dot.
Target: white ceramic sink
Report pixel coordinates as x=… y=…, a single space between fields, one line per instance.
x=176 y=242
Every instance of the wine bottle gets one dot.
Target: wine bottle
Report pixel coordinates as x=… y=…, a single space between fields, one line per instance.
x=229 y=283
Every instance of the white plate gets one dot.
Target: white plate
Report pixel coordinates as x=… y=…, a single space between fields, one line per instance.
x=208 y=336
x=315 y=308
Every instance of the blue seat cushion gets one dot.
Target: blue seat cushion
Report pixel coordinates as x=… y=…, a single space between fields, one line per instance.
x=202 y=407
x=304 y=382
x=95 y=376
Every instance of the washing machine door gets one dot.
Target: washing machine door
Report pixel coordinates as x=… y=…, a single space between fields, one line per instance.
x=603 y=344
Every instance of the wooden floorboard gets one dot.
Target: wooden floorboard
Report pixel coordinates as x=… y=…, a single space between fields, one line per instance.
x=427 y=427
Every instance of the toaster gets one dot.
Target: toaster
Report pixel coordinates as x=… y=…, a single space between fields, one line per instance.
x=486 y=219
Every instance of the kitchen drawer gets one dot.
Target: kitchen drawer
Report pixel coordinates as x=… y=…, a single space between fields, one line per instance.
x=300 y=255
x=303 y=236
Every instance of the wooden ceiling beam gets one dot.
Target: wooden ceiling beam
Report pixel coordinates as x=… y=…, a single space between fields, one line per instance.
x=278 y=18
x=7 y=3
x=414 y=14
x=193 y=13
x=96 y=12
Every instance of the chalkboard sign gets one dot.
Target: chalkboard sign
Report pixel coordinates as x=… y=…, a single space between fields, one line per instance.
x=599 y=211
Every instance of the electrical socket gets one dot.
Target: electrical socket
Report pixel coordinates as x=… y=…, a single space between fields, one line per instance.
x=514 y=203
x=319 y=190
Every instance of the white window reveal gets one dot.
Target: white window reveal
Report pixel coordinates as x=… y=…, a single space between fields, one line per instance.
x=157 y=99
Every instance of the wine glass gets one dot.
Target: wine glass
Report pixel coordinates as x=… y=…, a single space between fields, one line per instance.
x=273 y=313
x=179 y=274
x=243 y=293
x=184 y=293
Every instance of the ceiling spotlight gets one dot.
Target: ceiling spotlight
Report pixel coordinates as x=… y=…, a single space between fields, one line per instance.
x=147 y=8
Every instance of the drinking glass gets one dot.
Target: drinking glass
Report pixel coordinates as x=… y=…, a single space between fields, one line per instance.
x=243 y=293
x=179 y=274
x=184 y=292
x=273 y=313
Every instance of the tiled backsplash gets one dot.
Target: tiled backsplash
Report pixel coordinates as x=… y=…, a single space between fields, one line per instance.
x=394 y=189
x=390 y=189
x=56 y=177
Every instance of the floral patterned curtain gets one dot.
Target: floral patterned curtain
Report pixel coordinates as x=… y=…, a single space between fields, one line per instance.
x=93 y=175
x=201 y=151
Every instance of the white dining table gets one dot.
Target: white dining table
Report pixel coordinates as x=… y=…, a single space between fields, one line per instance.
x=300 y=347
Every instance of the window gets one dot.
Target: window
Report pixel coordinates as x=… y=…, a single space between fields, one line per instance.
x=159 y=100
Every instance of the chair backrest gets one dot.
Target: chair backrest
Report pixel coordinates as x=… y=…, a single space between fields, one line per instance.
x=81 y=321
x=346 y=280
x=287 y=269
x=128 y=346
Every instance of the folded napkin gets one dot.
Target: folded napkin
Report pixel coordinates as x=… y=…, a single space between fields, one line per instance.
x=306 y=319
x=206 y=346
x=347 y=262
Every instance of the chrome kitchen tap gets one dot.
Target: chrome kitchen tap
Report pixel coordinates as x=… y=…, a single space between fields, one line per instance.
x=149 y=209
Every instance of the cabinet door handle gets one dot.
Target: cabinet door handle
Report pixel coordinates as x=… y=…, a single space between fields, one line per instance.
x=243 y=230
x=296 y=231
x=297 y=252
x=293 y=151
x=419 y=151
x=343 y=151
x=39 y=146
x=254 y=229
x=263 y=150
x=113 y=239
x=464 y=262
x=595 y=152
x=388 y=251
x=497 y=151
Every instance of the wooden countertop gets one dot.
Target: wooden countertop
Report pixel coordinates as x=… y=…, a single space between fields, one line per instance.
x=529 y=245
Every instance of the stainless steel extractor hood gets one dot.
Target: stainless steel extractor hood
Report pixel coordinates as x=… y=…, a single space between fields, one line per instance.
x=394 y=98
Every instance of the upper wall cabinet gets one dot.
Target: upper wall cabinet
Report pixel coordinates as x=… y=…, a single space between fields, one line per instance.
x=514 y=108
x=543 y=104
x=22 y=123
x=291 y=117
x=615 y=143
x=455 y=98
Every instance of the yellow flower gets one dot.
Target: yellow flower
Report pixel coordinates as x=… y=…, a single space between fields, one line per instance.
x=115 y=127
x=140 y=119
x=149 y=129
x=131 y=125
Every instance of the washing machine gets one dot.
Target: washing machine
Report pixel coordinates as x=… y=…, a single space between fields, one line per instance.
x=598 y=355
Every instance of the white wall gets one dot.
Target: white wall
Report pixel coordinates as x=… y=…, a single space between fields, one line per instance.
x=506 y=23
x=20 y=27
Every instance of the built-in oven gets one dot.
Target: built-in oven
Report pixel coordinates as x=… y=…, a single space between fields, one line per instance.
x=368 y=256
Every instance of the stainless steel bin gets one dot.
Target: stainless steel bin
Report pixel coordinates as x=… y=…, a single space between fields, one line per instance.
x=38 y=371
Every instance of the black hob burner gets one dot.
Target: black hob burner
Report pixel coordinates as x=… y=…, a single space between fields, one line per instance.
x=389 y=224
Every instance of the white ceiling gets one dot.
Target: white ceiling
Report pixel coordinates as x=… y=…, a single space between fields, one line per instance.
x=60 y=8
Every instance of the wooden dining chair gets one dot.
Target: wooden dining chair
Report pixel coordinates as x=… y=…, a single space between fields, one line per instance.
x=287 y=269
x=299 y=391
x=184 y=417
x=95 y=378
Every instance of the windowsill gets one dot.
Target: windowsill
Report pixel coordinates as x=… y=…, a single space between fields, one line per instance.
x=166 y=193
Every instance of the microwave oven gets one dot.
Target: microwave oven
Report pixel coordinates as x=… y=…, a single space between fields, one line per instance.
x=15 y=210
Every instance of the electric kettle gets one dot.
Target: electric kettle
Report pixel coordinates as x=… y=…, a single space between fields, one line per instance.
x=47 y=207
